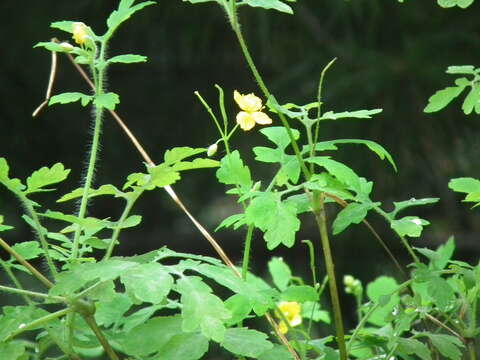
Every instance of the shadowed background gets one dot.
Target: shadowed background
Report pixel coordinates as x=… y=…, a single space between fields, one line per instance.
x=390 y=56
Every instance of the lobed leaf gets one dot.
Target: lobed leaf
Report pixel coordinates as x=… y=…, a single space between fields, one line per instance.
x=359 y=114
x=106 y=100
x=246 y=342
x=70 y=97
x=123 y=13
x=46 y=176
x=442 y=98
x=354 y=213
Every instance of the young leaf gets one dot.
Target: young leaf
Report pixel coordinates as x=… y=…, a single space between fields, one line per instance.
x=46 y=176
x=232 y=171
x=359 y=114
x=127 y=59
x=270 y=4
x=107 y=100
x=235 y=220
x=246 y=342
x=442 y=98
x=123 y=13
x=447 y=345
x=280 y=272
x=354 y=213
x=201 y=308
x=147 y=282
x=409 y=226
x=70 y=97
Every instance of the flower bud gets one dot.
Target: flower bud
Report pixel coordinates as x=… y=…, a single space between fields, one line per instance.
x=67 y=47
x=212 y=149
x=80 y=32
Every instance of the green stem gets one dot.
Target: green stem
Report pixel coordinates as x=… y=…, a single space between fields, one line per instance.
x=246 y=251
x=98 y=333
x=15 y=281
x=320 y=217
x=36 y=323
x=116 y=232
x=98 y=110
x=31 y=293
x=38 y=227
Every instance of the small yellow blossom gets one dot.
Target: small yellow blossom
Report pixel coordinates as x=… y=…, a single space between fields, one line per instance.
x=80 y=32
x=252 y=111
x=291 y=312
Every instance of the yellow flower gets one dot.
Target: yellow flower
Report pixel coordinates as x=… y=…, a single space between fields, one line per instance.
x=252 y=111
x=291 y=312
x=80 y=32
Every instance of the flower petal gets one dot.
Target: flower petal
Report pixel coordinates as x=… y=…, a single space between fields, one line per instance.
x=249 y=103
x=261 y=118
x=245 y=120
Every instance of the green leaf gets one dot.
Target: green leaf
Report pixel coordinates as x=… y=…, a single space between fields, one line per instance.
x=46 y=176
x=372 y=145
x=447 y=345
x=184 y=346
x=232 y=171
x=466 y=185
x=312 y=310
x=177 y=154
x=278 y=352
x=161 y=175
x=409 y=226
x=279 y=135
x=442 y=98
x=14 y=185
x=246 y=342
x=401 y=205
x=147 y=282
x=441 y=292
x=51 y=46
x=102 y=190
x=376 y=291
x=235 y=220
x=127 y=59
x=276 y=218
x=300 y=293
x=123 y=13
x=359 y=114
x=109 y=312
x=12 y=350
x=4 y=227
x=199 y=163
x=280 y=272
x=354 y=213
x=151 y=336
x=471 y=99
x=239 y=306
x=70 y=97
x=199 y=1
x=201 y=308
x=28 y=249
x=413 y=347
x=107 y=100
x=270 y=4
x=66 y=26
x=14 y=316
x=462 y=69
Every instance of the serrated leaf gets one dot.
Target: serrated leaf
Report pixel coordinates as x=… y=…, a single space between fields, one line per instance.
x=280 y=272
x=127 y=59
x=300 y=293
x=232 y=171
x=235 y=220
x=70 y=97
x=179 y=153
x=401 y=205
x=246 y=342
x=378 y=149
x=441 y=293
x=354 y=213
x=106 y=100
x=147 y=282
x=447 y=345
x=442 y=98
x=46 y=176
x=161 y=175
x=123 y=13
x=151 y=336
x=109 y=312
x=359 y=114
x=409 y=226
x=28 y=249
x=413 y=346
x=378 y=288
x=201 y=309
x=279 y=135
x=270 y=4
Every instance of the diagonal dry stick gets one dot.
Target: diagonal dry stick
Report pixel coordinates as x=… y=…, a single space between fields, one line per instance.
x=168 y=189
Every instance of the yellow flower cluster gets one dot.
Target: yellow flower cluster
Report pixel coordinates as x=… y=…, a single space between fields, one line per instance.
x=251 y=113
x=291 y=312
x=80 y=32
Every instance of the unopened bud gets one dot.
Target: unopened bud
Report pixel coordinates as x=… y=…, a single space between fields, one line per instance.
x=80 y=32
x=212 y=149
x=67 y=47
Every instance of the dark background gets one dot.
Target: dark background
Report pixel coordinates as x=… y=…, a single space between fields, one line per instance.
x=390 y=56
